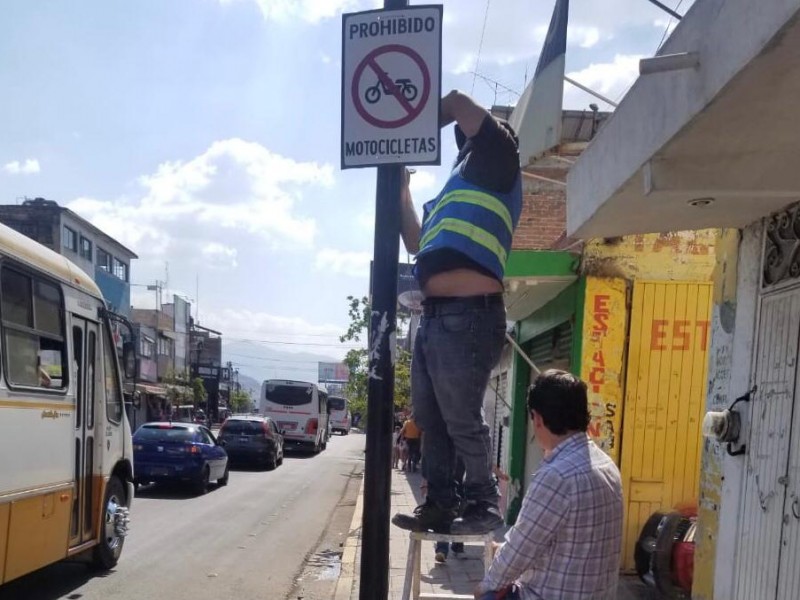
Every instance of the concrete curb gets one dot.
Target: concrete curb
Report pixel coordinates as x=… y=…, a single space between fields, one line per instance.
x=344 y=586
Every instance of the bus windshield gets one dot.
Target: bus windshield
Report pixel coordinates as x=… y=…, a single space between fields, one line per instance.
x=288 y=395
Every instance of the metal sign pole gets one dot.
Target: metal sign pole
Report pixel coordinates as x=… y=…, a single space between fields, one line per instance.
x=380 y=399
x=374 y=580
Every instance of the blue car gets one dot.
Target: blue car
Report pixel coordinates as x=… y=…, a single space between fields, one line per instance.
x=178 y=453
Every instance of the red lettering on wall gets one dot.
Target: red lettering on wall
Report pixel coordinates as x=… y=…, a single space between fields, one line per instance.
x=703 y=327
x=680 y=337
x=597 y=378
x=600 y=314
x=657 y=335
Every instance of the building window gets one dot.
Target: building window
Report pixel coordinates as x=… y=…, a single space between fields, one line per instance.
x=33 y=331
x=86 y=248
x=164 y=346
x=103 y=259
x=146 y=347
x=70 y=239
x=120 y=269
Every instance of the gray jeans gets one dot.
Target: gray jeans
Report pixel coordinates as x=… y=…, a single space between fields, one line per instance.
x=458 y=344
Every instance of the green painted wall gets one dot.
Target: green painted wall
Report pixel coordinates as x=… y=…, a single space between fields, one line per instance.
x=560 y=309
x=541 y=263
x=568 y=305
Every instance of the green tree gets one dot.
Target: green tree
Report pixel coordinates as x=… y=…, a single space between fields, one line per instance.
x=199 y=393
x=357 y=360
x=241 y=401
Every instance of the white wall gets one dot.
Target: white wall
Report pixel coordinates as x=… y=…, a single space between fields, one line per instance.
x=741 y=347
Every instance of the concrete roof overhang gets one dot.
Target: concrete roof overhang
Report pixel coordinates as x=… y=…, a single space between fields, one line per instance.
x=534 y=277
x=723 y=130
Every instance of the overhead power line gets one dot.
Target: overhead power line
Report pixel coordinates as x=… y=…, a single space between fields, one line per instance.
x=280 y=360
x=480 y=45
x=666 y=29
x=263 y=341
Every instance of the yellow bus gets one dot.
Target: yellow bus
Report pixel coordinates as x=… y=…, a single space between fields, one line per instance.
x=66 y=456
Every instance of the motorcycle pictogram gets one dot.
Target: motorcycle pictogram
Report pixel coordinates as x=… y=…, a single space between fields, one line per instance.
x=374 y=93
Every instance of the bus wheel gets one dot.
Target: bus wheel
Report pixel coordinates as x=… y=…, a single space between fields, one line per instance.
x=114 y=526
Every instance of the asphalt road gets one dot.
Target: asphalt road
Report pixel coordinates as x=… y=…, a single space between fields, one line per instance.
x=256 y=538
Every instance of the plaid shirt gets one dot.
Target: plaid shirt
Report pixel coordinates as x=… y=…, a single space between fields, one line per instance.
x=567 y=538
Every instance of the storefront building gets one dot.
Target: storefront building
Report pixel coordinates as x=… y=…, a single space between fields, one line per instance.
x=702 y=141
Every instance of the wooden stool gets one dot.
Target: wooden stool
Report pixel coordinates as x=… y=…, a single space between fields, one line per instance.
x=414 y=562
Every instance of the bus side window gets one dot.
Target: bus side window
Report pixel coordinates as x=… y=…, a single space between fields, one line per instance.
x=113 y=398
x=33 y=327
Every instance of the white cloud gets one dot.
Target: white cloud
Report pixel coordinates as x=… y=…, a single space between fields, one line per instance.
x=353 y=264
x=219 y=255
x=311 y=11
x=190 y=211
x=516 y=29
x=585 y=37
x=28 y=167
x=611 y=79
x=422 y=181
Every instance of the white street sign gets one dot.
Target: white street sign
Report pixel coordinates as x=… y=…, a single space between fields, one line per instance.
x=391 y=87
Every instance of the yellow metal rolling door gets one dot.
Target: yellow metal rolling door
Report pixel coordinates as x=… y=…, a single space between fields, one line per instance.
x=664 y=400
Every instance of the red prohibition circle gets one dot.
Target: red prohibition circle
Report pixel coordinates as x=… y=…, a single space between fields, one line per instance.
x=412 y=112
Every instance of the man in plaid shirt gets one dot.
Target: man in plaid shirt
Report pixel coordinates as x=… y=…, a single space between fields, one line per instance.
x=566 y=542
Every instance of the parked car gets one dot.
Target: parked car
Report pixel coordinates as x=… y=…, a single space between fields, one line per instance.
x=179 y=453
x=252 y=439
x=664 y=553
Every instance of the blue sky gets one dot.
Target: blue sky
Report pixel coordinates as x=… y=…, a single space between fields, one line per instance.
x=205 y=134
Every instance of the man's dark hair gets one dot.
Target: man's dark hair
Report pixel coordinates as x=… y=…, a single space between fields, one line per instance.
x=560 y=398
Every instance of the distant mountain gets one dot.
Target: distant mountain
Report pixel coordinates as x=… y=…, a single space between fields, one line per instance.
x=258 y=362
x=250 y=385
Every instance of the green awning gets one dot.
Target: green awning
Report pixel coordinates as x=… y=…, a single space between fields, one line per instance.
x=534 y=277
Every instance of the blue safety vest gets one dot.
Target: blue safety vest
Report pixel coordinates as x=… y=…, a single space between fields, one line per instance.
x=472 y=220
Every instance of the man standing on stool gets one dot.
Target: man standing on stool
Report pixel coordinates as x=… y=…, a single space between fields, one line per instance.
x=461 y=247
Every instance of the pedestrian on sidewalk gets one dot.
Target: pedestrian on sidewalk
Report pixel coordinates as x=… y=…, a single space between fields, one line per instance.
x=396 y=439
x=567 y=540
x=411 y=434
x=461 y=248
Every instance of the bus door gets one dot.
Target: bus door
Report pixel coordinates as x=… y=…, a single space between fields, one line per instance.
x=85 y=362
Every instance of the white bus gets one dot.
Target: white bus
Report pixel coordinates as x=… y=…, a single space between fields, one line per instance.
x=301 y=411
x=339 y=414
x=66 y=466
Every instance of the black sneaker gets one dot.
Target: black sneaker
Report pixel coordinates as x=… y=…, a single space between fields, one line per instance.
x=478 y=518
x=427 y=517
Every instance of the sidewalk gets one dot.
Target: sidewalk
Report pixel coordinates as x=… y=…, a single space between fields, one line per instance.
x=458 y=575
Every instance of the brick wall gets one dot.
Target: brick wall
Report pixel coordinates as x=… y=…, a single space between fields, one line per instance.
x=543 y=220
x=544 y=209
